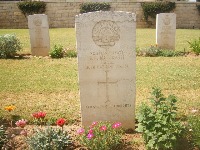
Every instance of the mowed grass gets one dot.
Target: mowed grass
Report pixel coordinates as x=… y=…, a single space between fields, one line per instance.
x=67 y=38
x=51 y=85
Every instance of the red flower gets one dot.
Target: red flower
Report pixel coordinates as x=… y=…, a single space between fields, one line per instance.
x=35 y=115
x=41 y=114
x=90 y=131
x=38 y=115
x=60 y=122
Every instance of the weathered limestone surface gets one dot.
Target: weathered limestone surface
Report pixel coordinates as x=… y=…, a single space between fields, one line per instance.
x=39 y=34
x=106 y=64
x=166 y=30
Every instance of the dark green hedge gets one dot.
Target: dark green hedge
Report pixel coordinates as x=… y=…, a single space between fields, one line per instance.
x=32 y=7
x=153 y=8
x=94 y=6
x=198 y=7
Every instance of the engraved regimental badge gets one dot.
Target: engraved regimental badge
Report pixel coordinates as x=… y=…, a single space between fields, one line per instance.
x=105 y=33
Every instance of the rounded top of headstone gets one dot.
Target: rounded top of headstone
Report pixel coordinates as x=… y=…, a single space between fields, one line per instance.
x=37 y=20
x=106 y=15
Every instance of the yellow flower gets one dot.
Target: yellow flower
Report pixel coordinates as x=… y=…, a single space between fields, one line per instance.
x=10 y=108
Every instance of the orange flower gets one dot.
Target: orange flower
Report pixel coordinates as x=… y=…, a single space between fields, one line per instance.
x=10 y=108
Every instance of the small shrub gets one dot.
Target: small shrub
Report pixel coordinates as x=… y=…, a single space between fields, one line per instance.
x=3 y=137
x=32 y=7
x=57 y=51
x=153 y=8
x=101 y=136
x=154 y=51
x=71 y=53
x=151 y=51
x=94 y=6
x=198 y=7
x=49 y=139
x=9 y=45
x=158 y=123
x=194 y=127
x=195 y=46
x=171 y=53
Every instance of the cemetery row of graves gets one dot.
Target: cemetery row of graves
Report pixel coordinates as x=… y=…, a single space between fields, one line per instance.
x=40 y=110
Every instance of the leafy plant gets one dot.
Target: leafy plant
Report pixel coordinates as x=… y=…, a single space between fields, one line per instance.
x=9 y=45
x=198 y=7
x=158 y=123
x=153 y=8
x=71 y=53
x=32 y=7
x=101 y=136
x=57 y=51
x=194 y=127
x=49 y=139
x=154 y=51
x=94 y=6
x=171 y=53
x=3 y=136
x=195 y=46
x=151 y=51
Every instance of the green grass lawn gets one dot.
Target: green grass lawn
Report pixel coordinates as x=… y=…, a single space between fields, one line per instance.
x=51 y=85
x=66 y=37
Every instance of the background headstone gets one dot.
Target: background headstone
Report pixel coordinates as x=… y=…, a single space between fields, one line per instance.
x=107 y=66
x=39 y=34
x=166 y=30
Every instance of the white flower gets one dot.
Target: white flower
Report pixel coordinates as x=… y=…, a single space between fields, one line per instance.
x=194 y=111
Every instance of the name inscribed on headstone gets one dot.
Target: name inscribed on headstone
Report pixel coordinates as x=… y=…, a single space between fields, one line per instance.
x=106 y=65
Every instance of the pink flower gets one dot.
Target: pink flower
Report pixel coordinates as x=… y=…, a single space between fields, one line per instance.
x=103 y=128
x=21 y=123
x=60 y=122
x=90 y=131
x=80 y=131
x=90 y=136
x=93 y=124
x=24 y=132
x=116 y=125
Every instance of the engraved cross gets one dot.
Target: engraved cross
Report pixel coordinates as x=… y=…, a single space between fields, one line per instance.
x=107 y=83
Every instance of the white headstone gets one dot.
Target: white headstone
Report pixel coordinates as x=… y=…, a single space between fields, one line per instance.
x=166 y=30
x=107 y=66
x=39 y=34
